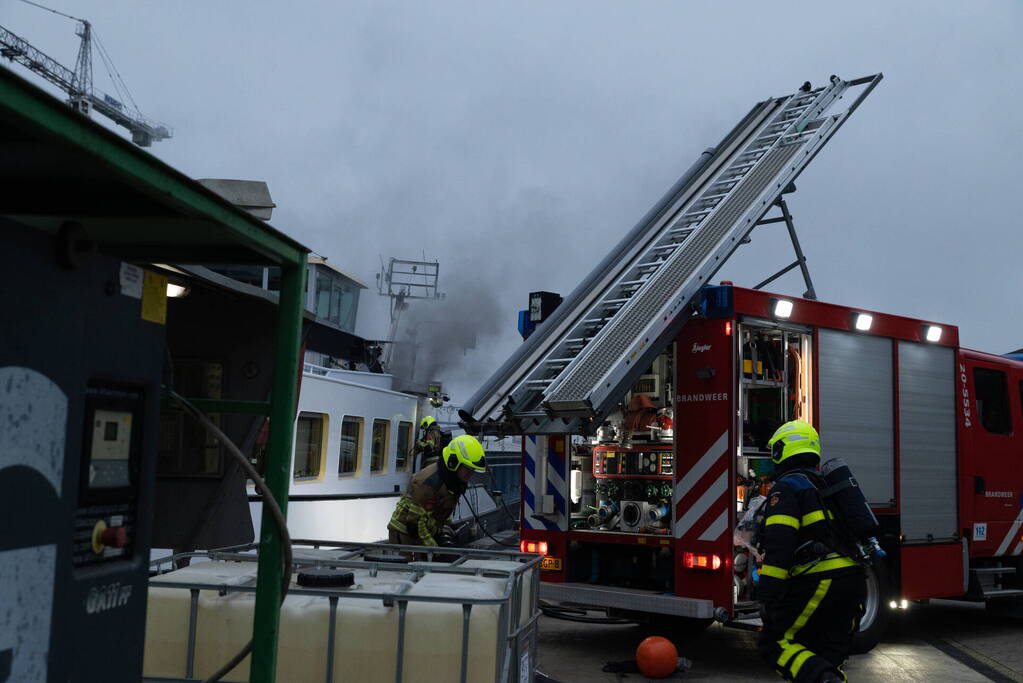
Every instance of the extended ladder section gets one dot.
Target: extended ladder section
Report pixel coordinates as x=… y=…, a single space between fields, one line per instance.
x=581 y=361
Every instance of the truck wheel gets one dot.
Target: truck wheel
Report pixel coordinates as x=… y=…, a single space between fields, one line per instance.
x=876 y=614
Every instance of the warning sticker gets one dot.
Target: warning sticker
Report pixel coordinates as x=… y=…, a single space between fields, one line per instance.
x=154 y=298
x=131 y=280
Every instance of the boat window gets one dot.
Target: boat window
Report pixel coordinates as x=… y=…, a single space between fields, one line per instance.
x=992 y=400
x=322 y=296
x=378 y=454
x=337 y=300
x=335 y=303
x=404 y=446
x=351 y=445
x=309 y=445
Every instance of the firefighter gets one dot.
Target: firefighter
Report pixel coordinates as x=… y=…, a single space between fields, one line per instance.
x=428 y=442
x=423 y=513
x=811 y=589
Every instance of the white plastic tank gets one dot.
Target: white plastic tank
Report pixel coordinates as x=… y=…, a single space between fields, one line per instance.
x=366 y=635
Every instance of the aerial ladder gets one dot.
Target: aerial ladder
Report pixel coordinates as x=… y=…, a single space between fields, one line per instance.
x=577 y=365
x=82 y=96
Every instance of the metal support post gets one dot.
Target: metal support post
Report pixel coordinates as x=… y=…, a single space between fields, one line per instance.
x=283 y=400
x=800 y=259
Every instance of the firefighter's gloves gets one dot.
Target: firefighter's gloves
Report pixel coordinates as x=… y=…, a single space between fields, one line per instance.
x=447 y=538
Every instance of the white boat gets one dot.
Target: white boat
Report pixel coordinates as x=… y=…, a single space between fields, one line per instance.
x=352 y=458
x=354 y=434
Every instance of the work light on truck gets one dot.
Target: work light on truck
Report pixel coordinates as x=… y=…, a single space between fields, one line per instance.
x=782 y=308
x=864 y=321
x=701 y=561
x=933 y=333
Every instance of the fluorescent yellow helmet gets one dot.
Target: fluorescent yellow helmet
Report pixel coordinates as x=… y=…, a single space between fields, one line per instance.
x=794 y=438
x=426 y=422
x=465 y=450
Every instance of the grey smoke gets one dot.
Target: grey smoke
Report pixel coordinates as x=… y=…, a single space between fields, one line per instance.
x=486 y=276
x=515 y=143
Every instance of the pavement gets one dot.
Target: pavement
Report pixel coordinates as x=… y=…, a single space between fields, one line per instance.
x=940 y=641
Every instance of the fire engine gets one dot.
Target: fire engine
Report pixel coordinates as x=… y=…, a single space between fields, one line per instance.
x=646 y=398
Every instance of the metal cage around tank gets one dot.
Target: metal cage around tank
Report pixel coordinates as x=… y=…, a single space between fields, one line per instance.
x=518 y=604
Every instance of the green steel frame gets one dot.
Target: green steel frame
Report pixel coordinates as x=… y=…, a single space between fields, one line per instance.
x=61 y=168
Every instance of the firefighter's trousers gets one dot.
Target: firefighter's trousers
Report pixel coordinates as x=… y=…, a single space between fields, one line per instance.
x=809 y=630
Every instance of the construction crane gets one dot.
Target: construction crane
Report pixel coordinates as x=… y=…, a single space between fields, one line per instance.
x=82 y=96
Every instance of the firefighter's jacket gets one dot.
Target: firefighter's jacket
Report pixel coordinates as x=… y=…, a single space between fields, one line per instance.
x=426 y=506
x=429 y=447
x=795 y=517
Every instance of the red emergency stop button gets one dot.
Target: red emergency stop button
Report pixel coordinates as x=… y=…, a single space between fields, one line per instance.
x=114 y=537
x=108 y=537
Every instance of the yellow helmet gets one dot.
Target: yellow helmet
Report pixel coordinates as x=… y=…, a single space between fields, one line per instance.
x=465 y=450
x=427 y=421
x=793 y=438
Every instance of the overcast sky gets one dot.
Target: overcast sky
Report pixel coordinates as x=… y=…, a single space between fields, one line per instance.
x=516 y=142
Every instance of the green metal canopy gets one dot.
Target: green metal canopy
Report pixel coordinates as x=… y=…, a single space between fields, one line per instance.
x=65 y=174
x=58 y=165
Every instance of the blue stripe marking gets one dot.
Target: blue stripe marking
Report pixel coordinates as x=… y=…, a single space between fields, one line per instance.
x=530 y=463
x=558 y=498
x=551 y=526
x=557 y=461
x=527 y=495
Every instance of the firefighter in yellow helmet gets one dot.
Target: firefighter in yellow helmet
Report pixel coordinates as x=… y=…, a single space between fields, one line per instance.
x=811 y=589
x=429 y=442
x=425 y=509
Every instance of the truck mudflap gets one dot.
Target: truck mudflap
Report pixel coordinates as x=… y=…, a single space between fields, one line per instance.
x=628 y=599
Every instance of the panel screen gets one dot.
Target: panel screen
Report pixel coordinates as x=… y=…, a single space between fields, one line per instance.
x=111 y=449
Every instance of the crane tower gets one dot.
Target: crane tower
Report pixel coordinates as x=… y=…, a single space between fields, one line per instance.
x=82 y=96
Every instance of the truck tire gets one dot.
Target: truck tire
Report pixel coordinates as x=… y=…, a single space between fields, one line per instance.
x=876 y=614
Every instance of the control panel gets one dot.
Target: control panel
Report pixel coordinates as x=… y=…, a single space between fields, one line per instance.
x=105 y=517
x=80 y=376
x=613 y=462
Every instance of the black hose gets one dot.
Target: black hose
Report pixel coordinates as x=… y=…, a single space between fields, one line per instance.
x=268 y=499
x=580 y=615
x=489 y=487
x=482 y=527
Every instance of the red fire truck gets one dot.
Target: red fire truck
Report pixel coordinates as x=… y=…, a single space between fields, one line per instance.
x=646 y=397
x=641 y=519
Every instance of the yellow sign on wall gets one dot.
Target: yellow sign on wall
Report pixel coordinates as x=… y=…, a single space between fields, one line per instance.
x=154 y=298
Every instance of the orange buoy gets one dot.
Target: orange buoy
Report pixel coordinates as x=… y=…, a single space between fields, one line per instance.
x=656 y=657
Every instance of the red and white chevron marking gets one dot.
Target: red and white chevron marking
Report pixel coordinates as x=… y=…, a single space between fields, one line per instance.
x=1012 y=535
x=700 y=498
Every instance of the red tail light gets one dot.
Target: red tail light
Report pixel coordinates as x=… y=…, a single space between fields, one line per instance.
x=701 y=561
x=728 y=328
x=539 y=547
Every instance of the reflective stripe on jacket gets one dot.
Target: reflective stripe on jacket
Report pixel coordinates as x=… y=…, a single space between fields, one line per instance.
x=795 y=516
x=425 y=507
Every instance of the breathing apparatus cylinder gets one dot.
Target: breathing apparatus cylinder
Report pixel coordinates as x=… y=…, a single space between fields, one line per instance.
x=845 y=492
